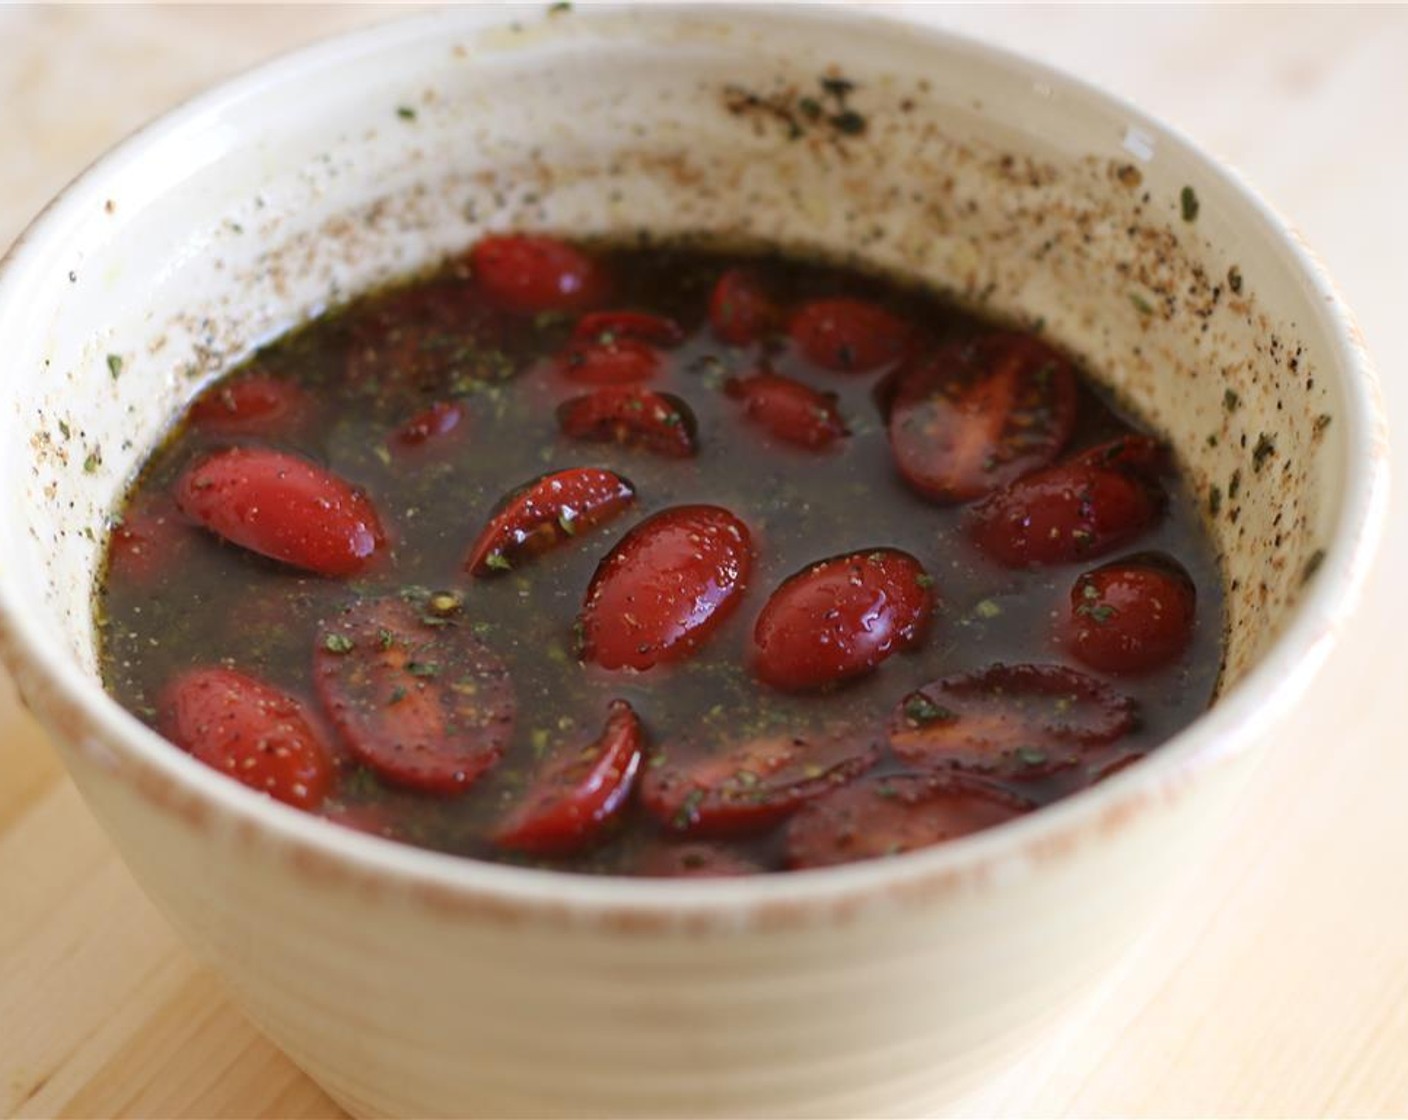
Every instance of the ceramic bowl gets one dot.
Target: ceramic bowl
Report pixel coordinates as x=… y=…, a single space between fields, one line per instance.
x=410 y=983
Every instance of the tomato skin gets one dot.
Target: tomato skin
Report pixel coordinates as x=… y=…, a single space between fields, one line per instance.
x=545 y=513
x=428 y=707
x=580 y=793
x=1062 y=514
x=740 y=311
x=256 y=404
x=1020 y=721
x=431 y=425
x=151 y=541
x=617 y=348
x=840 y=618
x=1131 y=616
x=250 y=730
x=665 y=588
x=530 y=273
x=849 y=335
x=886 y=816
x=750 y=788
x=283 y=507
x=791 y=411
x=974 y=416
x=631 y=416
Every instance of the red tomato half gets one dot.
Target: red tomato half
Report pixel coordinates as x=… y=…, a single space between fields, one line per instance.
x=749 y=788
x=1022 y=720
x=1087 y=507
x=666 y=586
x=418 y=699
x=249 y=730
x=630 y=416
x=283 y=507
x=1131 y=616
x=429 y=425
x=740 y=311
x=849 y=335
x=579 y=793
x=892 y=815
x=974 y=416
x=526 y=274
x=151 y=541
x=793 y=412
x=546 y=513
x=258 y=403
x=617 y=347
x=840 y=618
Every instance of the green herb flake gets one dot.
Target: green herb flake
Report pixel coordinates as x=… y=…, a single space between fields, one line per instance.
x=689 y=809
x=560 y=7
x=1142 y=305
x=382 y=454
x=567 y=522
x=1317 y=558
x=423 y=668
x=338 y=643
x=1264 y=449
x=1231 y=400
x=1234 y=280
x=849 y=123
x=115 y=365
x=1214 y=499
x=1322 y=422
x=1188 y=199
x=1031 y=756
x=397 y=695
x=92 y=462
x=64 y=430
x=405 y=112
x=540 y=740
x=1098 y=614
x=988 y=609
x=921 y=711
x=924 y=579
x=1234 y=485
x=498 y=562
x=443 y=603
x=385 y=638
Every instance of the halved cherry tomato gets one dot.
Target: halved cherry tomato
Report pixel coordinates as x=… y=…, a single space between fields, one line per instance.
x=617 y=347
x=1087 y=507
x=151 y=540
x=1023 y=720
x=633 y=417
x=579 y=793
x=973 y=416
x=256 y=403
x=740 y=311
x=840 y=618
x=415 y=697
x=849 y=335
x=887 y=816
x=692 y=861
x=1131 y=616
x=793 y=412
x=249 y=730
x=441 y=419
x=283 y=507
x=666 y=586
x=545 y=513
x=526 y=274
x=749 y=788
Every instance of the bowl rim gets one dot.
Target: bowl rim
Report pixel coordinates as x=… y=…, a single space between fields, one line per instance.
x=81 y=712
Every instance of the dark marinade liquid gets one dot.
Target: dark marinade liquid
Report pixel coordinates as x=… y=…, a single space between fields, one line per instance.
x=227 y=605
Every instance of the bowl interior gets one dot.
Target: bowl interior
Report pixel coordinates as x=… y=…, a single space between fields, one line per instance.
x=996 y=181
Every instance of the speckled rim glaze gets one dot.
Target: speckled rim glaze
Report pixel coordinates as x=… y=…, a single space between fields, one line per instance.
x=76 y=706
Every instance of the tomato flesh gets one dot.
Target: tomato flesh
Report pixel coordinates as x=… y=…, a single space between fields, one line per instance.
x=1131 y=616
x=630 y=416
x=840 y=618
x=282 y=507
x=617 y=348
x=1021 y=720
x=740 y=311
x=974 y=416
x=849 y=335
x=250 y=730
x=416 y=698
x=750 y=788
x=1087 y=507
x=546 y=513
x=430 y=425
x=151 y=542
x=665 y=588
x=580 y=793
x=791 y=411
x=888 y=816
x=527 y=274
x=257 y=403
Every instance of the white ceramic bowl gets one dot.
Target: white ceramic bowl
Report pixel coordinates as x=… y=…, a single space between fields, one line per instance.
x=417 y=984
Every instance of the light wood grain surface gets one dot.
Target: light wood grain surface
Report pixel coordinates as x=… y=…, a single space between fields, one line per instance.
x=1279 y=987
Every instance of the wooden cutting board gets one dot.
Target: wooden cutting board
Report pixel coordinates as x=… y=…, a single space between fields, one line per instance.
x=1279 y=987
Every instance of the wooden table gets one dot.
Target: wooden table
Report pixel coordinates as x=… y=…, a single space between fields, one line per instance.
x=1280 y=987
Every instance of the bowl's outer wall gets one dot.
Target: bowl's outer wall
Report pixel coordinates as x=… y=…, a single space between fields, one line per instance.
x=409 y=989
